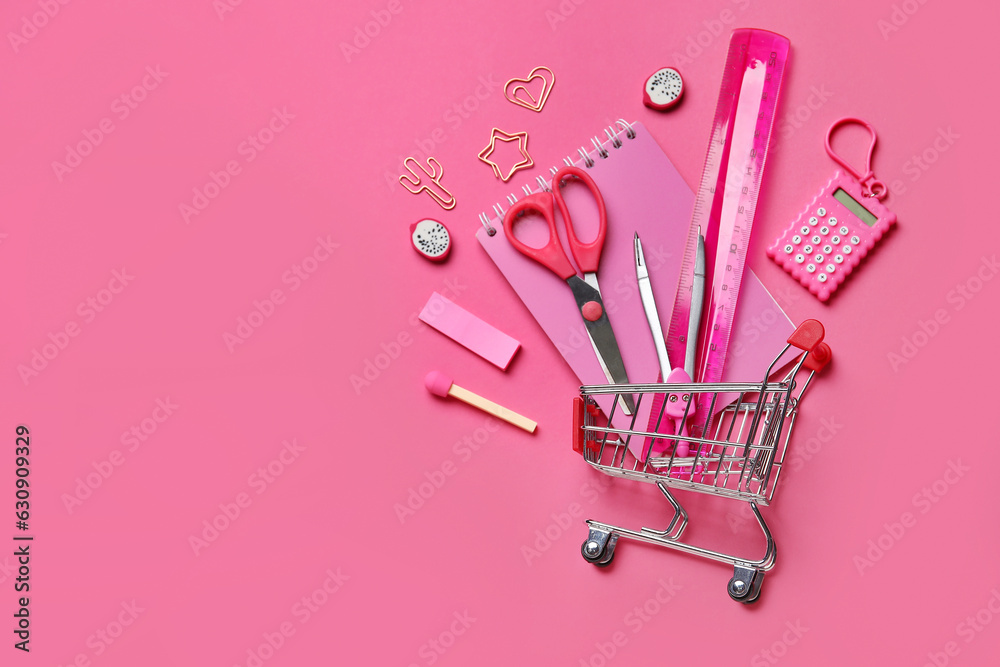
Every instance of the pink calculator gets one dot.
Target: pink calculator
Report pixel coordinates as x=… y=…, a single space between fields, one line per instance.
x=836 y=229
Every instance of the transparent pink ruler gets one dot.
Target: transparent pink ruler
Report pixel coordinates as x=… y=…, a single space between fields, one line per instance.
x=727 y=197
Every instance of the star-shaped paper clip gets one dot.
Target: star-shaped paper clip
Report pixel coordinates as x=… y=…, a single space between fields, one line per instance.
x=522 y=145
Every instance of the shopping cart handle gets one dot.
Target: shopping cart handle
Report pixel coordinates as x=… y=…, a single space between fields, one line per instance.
x=578 y=433
x=809 y=334
x=820 y=356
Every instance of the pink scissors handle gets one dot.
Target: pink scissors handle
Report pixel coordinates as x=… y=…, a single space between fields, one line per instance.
x=551 y=255
x=587 y=255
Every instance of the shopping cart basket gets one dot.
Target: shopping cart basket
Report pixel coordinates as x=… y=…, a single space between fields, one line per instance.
x=738 y=454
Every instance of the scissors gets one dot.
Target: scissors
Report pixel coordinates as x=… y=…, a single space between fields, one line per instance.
x=552 y=256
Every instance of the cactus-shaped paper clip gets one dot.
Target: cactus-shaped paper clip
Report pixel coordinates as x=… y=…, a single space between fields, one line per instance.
x=414 y=182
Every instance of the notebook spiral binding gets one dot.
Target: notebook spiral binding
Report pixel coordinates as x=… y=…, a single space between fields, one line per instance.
x=586 y=159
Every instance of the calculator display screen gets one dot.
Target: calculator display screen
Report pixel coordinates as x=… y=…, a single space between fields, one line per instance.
x=855 y=207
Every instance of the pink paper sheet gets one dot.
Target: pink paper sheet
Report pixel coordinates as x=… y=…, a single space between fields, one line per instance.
x=643 y=193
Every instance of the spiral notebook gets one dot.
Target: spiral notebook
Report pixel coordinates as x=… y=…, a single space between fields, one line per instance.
x=643 y=193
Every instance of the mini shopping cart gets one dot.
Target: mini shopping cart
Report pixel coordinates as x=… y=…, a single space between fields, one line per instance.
x=738 y=455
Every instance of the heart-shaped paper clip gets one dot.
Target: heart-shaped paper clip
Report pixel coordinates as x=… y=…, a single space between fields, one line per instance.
x=516 y=90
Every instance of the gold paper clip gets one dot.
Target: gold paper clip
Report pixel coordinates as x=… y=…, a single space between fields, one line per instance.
x=522 y=145
x=516 y=90
x=434 y=172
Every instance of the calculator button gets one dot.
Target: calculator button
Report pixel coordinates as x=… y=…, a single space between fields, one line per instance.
x=821 y=277
x=804 y=229
x=848 y=250
x=811 y=268
x=813 y=220
x=818 y=259
x=855 y=240
x=844 y=230
x=828 y=249
x=817 y=239
x=821 y=211
x=832 y=220
x=839 y=259
x=800 y=258
x=789 y=249
x=796 y=239
x=807 y=249
x=830 y=268
x=834 y=240
x=824 y=230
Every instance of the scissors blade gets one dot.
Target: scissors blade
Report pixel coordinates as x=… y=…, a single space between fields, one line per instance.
x=602 y=335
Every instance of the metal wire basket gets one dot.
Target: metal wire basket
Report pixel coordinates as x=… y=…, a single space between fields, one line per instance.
x=738 y=453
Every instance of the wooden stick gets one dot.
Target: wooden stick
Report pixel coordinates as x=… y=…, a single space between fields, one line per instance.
x=489 y=406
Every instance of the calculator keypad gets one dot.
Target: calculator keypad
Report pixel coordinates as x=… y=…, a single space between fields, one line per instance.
x=826 y=242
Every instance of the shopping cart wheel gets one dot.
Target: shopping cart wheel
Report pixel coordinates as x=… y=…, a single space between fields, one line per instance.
x=599 y=547
x=745 y=585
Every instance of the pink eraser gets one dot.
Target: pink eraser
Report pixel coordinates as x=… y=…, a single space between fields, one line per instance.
x=438 y=383
x=465 y=328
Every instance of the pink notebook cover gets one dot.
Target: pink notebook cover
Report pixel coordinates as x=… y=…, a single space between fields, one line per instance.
x=643 y=193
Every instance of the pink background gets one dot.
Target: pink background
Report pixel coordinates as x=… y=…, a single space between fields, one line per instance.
x=330 y=173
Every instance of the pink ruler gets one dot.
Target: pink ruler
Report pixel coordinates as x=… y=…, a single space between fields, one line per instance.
x=727 y=197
